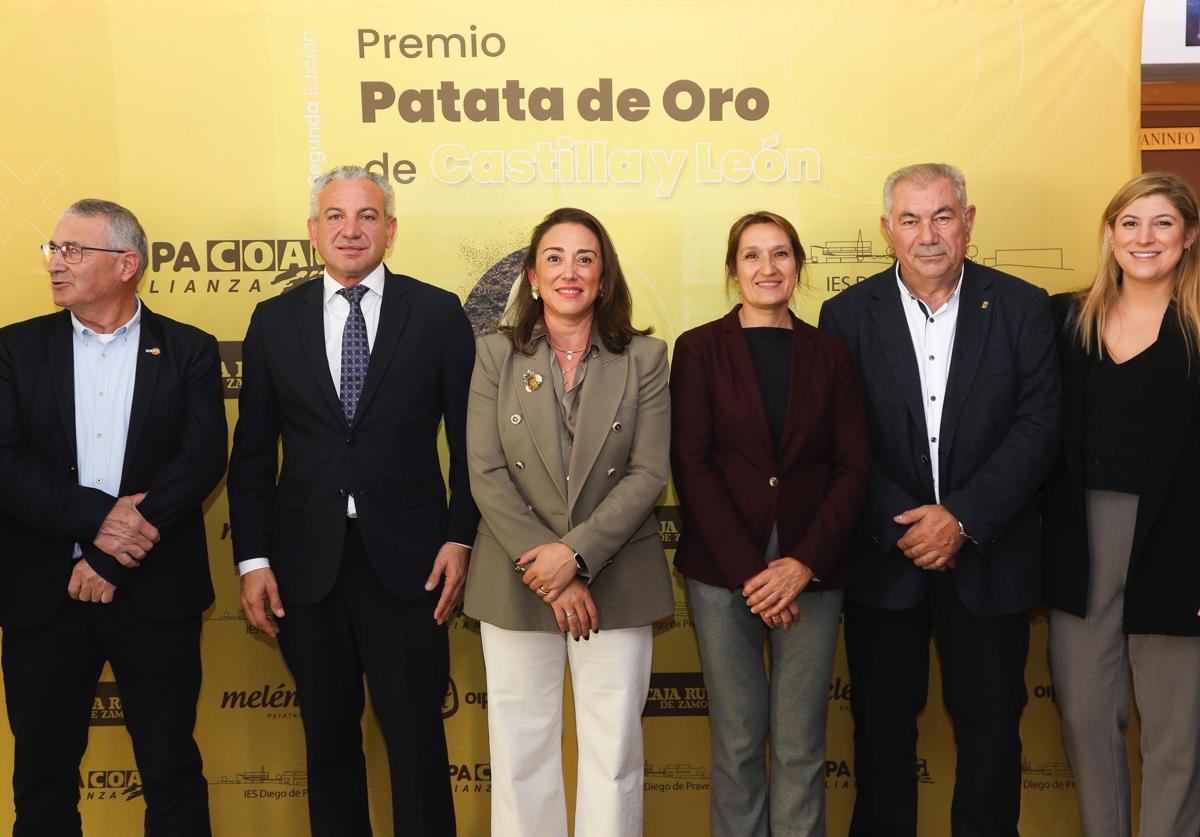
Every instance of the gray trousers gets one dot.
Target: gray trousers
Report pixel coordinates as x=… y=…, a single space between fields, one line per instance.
x=1097 y=668
x=747 y=704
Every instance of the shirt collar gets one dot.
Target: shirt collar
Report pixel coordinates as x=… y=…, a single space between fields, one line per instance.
x=539 y=333
x=84 y=331
x=373 y=281
x=905 y=293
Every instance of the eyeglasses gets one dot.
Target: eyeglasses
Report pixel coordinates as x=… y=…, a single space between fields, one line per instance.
x=72 y=253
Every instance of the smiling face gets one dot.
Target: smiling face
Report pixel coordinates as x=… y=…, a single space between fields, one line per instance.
x=929 y=229
x=351 y=230
x=1148 y=238
x=567 y=272
x=766 y=267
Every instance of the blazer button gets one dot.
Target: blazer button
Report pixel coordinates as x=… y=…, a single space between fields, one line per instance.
x=515 y=419
x=349 y=440
x=773 y=481
x=528 y=507
x=611 y=471
x=520 y=465
x=616 y=427
x=924 y=459
x=342 y=492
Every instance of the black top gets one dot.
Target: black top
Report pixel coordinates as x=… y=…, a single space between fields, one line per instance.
x=771 y=349
x=1116 y=420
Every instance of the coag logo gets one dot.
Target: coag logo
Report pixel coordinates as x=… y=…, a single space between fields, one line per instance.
x=175 y=267
x=450 y=699
x=677 y=694
x=107 y=710
x=668 y=525
x=110 y=784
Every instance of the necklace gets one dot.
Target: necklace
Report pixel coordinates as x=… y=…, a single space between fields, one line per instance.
x=570 y=353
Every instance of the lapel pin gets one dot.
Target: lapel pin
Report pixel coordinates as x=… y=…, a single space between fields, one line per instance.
x=154 y=351
x=984 y=305
x=532 y=380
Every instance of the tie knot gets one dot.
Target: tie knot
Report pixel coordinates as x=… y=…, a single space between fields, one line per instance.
x=353 y=294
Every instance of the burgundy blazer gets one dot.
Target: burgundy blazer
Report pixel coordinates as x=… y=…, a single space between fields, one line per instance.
x=733 y=486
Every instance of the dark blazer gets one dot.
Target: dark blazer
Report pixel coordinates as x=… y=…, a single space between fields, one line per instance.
x=387 y=457
x=175 y=451
x=734 y=487
x=997 y=439
x=1162 y=586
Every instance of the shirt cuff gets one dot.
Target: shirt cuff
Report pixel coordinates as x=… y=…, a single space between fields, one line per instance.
x=465 y=546
x=252 y=564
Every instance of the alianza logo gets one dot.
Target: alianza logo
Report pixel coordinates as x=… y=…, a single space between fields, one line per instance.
x=110 y=785
x=231 y=266
x=468 y=777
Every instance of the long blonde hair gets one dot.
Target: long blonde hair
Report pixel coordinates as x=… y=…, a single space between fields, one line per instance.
x=1095 y=301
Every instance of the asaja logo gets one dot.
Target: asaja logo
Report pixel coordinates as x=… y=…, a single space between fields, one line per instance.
x=676 y=694
x=107 y=710
x=110 y=784
x=219 y=266
x=450 y=699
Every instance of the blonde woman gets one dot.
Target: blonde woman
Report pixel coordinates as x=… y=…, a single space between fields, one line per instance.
x=1122 y=566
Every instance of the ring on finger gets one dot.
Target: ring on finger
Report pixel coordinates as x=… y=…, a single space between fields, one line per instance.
x=571 y=614
x=542 y=591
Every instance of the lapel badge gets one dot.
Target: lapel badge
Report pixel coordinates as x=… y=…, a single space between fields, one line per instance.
x=532 y=380
x=984 y=305
x=154 y=351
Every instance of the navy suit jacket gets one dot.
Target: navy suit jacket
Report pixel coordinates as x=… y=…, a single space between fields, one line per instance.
x=997 y=440
x=387 y=457
x=174 y=451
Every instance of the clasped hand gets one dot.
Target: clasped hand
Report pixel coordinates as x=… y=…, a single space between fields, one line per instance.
x=125 y=534
x=549 y=567
x=933 y=539
x=771 y=594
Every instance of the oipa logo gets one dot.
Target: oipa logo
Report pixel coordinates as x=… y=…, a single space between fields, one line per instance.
x=232 y=265
x=450 y=699
x=107 y=710
x=676 y=694
x=110 y=784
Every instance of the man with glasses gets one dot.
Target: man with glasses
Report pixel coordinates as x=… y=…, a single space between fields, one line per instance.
x=112 y=434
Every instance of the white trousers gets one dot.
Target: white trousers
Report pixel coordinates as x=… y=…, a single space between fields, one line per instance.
x=610 y=676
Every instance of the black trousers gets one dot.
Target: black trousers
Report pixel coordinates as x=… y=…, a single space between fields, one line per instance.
x=983 y=686
x=361 y=628
x=50 y=675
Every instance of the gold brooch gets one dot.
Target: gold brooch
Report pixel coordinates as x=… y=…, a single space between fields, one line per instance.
x=532 y=380
x=984 y=305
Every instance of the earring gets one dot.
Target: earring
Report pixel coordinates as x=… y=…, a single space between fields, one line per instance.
x=533 y=291
x=600 y=293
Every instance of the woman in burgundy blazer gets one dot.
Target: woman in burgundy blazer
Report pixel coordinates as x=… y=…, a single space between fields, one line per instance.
x=770 y=459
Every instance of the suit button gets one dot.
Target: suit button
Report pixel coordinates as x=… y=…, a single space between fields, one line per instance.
x=773 y=481
x=72 y=469
x=616 y=427
x=342 y=492
x=528 y=507
x=349 y=440
x=611 y=471
x=520 y=465
x=924 y=459
x=515 y=419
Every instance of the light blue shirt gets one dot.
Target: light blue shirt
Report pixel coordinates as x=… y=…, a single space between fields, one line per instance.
x=105 y=369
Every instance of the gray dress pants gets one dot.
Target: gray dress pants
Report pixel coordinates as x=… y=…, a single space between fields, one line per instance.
x=1097 y=668
x=747 y=704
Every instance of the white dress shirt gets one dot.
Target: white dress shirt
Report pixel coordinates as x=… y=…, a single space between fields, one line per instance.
x=105 y=367
x=933 y=341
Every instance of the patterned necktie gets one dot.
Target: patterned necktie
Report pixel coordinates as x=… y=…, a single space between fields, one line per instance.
x=356 y=352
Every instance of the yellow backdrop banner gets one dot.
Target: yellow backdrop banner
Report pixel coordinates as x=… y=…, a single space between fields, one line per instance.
x=667 y=120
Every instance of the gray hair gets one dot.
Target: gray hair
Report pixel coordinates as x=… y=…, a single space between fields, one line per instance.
x=351 y=173
x=124 y=230
x=925 y=173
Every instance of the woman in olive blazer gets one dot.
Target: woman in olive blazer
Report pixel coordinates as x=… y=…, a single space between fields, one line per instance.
x=568 y=444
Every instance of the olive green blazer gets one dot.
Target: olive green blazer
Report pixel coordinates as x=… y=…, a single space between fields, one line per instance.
x=605 y=511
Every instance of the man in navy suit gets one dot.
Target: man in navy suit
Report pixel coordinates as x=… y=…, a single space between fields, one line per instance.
x=352 y=554
x=962 y=389
x=112 y=434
